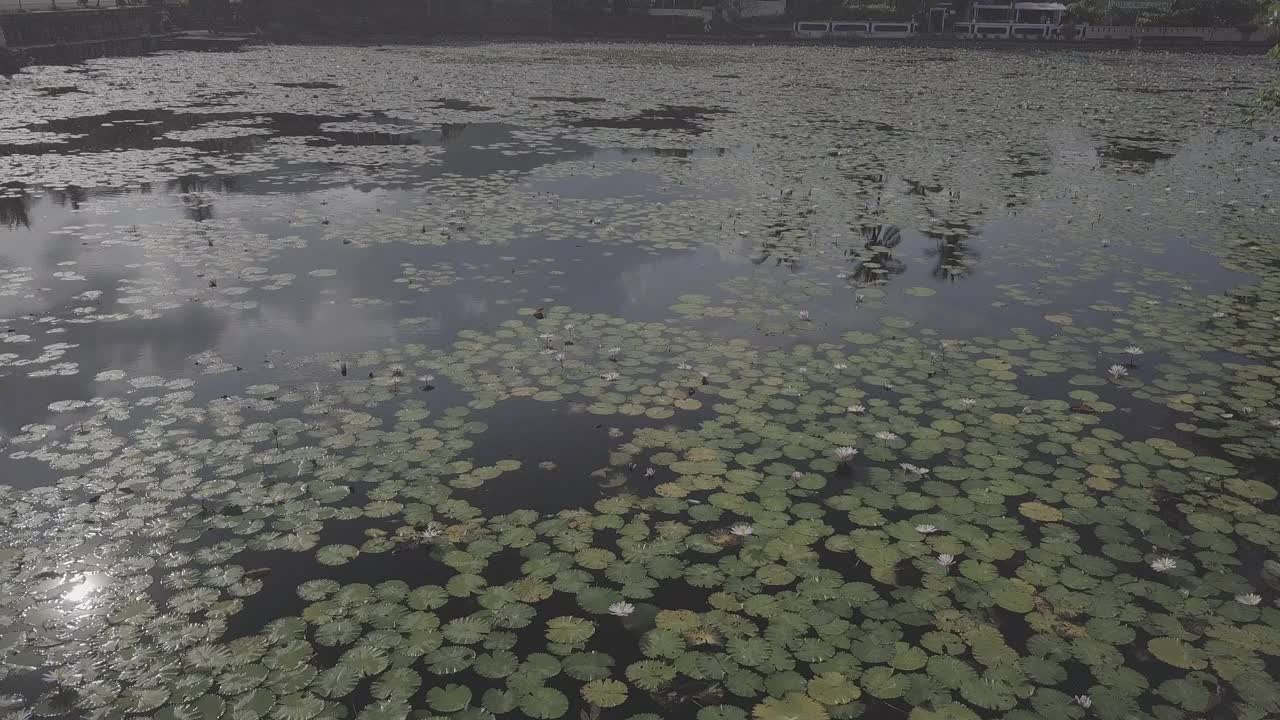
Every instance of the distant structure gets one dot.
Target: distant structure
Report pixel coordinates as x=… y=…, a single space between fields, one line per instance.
x=1030 y=21
x=1002 y=20
x=45 y=30
x=491 y=16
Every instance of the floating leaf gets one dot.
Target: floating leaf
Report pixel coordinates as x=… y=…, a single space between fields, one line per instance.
x=365 y=660
x=833 y=688
x=884 y=683
x=544 y=704
x=1177 y=653
x=588 y=666
x=397 y=683
x=496 y=664
x=721 y=712
x=298 y=706
x=794 y=706
x=604 y=693
x=1040 y=511
x=568 y=629
x=650 y=674
x=450 y=698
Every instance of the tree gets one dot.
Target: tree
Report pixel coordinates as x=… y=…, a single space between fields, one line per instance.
x=1087 y=12
x=1209 y=13
x=731 y=10
x=1267 y=103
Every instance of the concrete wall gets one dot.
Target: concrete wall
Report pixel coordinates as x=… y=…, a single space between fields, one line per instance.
x=76 y=27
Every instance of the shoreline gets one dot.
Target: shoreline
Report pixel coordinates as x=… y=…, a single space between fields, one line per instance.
x=918 y=41
x=940 y=42
x=61 y=53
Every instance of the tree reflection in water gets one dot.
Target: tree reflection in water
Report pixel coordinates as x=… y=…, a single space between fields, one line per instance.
x=953 y=256
x=15 y=210
x=875 y=261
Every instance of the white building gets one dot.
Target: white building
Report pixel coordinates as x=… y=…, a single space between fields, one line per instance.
x=1002 y=19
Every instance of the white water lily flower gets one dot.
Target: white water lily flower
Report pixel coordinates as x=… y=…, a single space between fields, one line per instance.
x=840 y=366
x=1118 y=371
x=967 y=402
x=857 y=408
x=946 y=560
x=1248 y=599
x=610 y=376
x=1163 y=564
x=613 y=351
x=742 y=530
x=804 y=315
x=797 y=475
x=846 y=453
x=62 y=676
x=926 y=529
x=684 y=366
x=1133 y=350
x=430 y=532
x=886 y=436
x=1083 y=701
x=622 y=609
x=650 y=472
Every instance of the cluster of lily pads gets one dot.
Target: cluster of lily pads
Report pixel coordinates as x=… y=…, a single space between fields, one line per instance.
x=830 y=542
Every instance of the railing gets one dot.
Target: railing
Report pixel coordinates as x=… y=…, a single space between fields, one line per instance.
x=1173 y=34
x=676 y=5
x=1110 y=33
x=846 y=29
x=1005 y=31
x=684 y=8
x=812 y=30
x=850 y=29
x=855 y=29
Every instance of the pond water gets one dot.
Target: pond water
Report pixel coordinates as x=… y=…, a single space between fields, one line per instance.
x=639 y=381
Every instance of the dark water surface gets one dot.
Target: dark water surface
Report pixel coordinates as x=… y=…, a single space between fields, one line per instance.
x=555 y=327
